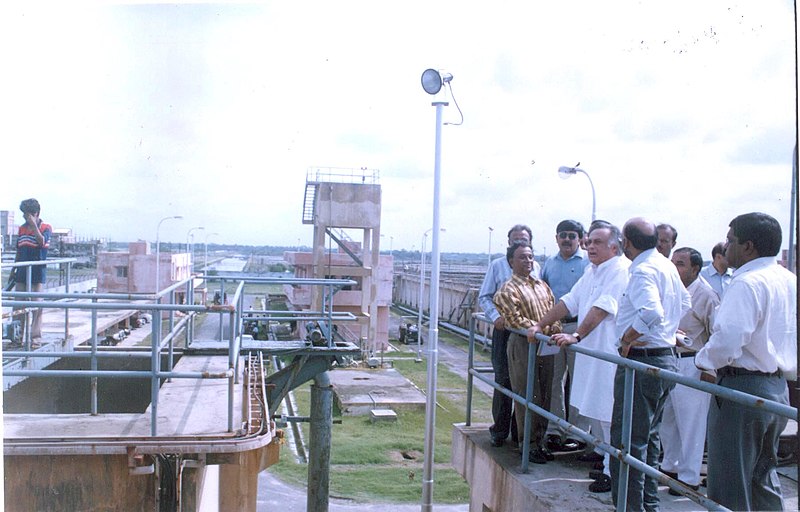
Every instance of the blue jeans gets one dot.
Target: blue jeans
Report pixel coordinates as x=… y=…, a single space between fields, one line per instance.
x=649 y=395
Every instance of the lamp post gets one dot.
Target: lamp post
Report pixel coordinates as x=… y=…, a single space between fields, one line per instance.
x=489 y=261
x=158 y=246
x=421 y=292
x=567 y=172
x=432 y=82
x=205 y=259
x=188 y=250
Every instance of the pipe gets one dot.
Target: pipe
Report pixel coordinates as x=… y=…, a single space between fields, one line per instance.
x=319 y=453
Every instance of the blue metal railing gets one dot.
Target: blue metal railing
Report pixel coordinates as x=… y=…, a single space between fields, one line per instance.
x=159 y=346
x=630 y=368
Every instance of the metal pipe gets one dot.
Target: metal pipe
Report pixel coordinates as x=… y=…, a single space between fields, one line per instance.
x=155 y=361
x=118 y=374
x=94 y=362
x=320 y=448
x=433 y=349
x=470 y=365
x=526 y=434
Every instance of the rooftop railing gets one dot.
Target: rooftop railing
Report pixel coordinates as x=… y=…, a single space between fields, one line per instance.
x=622 y=455
x=161 y=304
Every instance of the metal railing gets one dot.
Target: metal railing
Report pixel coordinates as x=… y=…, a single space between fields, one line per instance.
x=159 y=346
x=623 y=456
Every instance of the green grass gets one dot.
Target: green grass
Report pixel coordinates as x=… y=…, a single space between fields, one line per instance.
x=382 y=461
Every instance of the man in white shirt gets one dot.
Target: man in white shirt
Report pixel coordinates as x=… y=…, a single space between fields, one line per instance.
x=683 y=429
x=497 y=274
x=753 y=348
x=594 y=300
x=718 y=274
x=653 y=304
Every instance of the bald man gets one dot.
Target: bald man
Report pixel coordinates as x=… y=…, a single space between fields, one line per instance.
x=649 y=312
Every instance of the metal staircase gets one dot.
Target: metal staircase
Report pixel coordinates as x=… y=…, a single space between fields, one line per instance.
x=309 y=202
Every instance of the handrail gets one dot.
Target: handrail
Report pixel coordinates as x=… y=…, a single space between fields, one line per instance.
x=159 y=347
x=630 y=366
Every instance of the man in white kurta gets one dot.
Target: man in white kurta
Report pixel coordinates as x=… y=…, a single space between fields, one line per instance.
x=594 y=300
x=683 y=427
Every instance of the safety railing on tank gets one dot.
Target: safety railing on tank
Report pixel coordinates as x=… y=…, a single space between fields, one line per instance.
x=622 y=455
x=159 y=304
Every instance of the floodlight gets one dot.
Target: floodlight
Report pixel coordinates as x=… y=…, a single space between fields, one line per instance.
x=432 y=81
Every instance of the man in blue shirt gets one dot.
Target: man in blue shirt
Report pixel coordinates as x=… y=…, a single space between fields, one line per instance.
x=497 y=274
x=561 y=271
x=718 y=274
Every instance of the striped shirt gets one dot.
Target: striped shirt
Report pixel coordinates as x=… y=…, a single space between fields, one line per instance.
x=522 y=301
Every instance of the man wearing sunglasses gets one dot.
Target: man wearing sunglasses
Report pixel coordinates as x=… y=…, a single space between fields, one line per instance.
x=496 y=275
x=561 y=271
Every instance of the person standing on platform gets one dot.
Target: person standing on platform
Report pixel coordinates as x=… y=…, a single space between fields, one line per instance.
x=561 y=271
x=717 y=273
x=522 y=301
x=497 y=274
x=683 y=429
x=653 y=304
x=33 y=241
x=594 y=300
x=753 y=348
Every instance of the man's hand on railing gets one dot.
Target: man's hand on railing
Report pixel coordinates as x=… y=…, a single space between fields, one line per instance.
x=533 y=331
x=563 y=338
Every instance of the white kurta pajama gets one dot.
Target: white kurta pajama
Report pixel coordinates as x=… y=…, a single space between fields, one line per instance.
x=683 y=428
x=592 y=391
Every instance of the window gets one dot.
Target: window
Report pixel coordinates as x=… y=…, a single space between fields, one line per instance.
x=122 y=271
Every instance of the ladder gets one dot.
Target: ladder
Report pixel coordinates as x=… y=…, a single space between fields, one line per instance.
x=309 y=202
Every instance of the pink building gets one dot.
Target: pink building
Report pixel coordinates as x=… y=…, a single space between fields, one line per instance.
x=134 y=271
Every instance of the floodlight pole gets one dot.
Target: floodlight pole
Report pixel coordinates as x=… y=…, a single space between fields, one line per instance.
x=433 y=332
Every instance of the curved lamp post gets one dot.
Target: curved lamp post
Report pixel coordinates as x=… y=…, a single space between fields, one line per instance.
x=567 y=172
x=189 y=248
x=158 y=246
x=432 y=82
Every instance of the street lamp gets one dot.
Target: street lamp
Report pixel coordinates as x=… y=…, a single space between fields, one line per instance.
x=421 y=291
x=158 y=246
x=205 y=259
x=188 y=250
x=567 y=172
x=432 y=82
x=489 y=264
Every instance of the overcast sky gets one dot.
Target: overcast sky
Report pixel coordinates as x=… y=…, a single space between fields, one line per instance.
x=119 y=115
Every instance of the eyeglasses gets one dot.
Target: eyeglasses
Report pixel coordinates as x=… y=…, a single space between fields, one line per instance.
x=564 y=235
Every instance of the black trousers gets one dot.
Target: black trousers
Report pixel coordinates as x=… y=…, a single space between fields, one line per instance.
x=502 y=406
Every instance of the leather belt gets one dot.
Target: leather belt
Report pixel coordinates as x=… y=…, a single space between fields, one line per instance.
x=727 y=371
x=687 y=354
x=651 y=352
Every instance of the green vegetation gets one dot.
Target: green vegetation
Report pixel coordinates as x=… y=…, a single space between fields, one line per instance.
x=383 y=461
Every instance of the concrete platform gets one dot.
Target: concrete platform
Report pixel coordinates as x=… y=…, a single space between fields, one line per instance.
x=187 y=408
x=498 y=484
x=359 y=391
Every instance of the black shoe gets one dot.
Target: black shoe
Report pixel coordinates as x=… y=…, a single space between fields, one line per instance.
x=595 y=474
x=539 y=456
x=673 y=492
x=590 y=457
x=548 y=454
x=497 y=442
x=670 y=474
x=602 y=484
x=555 y=444
x=598 y=465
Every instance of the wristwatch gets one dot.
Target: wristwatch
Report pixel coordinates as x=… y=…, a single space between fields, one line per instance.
x=576 y=336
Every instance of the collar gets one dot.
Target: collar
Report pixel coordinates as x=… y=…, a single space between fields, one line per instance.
x=756 y=264
x=641 y=258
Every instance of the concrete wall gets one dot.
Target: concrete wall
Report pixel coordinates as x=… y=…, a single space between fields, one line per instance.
x=348 y=205
x=452 y=295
